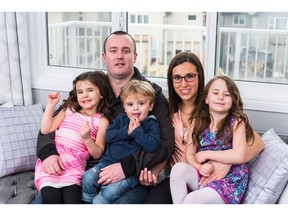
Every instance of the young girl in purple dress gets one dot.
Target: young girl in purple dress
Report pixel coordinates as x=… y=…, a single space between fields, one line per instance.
x=218 y=132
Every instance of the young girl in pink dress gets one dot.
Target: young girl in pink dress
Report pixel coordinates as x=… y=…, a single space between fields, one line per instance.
x=80 y=129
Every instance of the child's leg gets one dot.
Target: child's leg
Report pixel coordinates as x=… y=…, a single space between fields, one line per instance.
x=90 y=187
x=72 y=194
x=204 y=195
x=113 y=191
x=51 y=195
x=182 y=177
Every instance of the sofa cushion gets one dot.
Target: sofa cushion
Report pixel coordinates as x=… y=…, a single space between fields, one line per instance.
x=268 y=172
x=18 y=188
x=19 y=127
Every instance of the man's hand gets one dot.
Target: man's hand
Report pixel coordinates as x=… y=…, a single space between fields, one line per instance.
x=53 y=165
x=111 y=174
x=220 y=170
x=147 y=178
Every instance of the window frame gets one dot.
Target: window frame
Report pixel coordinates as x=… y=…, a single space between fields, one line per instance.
x=255 y=95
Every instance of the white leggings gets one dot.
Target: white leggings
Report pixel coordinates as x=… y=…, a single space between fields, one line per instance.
x=184 y=177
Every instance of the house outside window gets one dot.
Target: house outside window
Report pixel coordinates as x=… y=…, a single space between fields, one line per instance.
x=239 y=19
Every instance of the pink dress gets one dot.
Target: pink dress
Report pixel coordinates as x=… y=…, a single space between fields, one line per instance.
x=72 y=150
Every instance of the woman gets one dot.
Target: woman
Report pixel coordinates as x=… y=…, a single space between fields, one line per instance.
x=185 y=83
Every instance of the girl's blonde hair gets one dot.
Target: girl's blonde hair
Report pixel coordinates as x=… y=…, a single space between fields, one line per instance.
x=137 y=87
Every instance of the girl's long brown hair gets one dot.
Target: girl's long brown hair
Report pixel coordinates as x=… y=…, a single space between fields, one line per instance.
x=99 y=79
x=202 y=117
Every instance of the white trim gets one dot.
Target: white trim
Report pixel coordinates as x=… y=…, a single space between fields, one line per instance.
x=264 y=96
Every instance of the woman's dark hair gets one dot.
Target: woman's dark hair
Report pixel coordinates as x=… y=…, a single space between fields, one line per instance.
x=174 y=99
x=99 y=79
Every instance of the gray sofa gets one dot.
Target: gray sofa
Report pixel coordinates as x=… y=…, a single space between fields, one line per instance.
x=19 y=128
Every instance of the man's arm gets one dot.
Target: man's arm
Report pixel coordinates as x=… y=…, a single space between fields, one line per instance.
x=46 y=145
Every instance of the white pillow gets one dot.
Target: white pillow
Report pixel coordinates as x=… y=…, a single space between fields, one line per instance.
x=268 y=172
x=7 y=105
x=19 y=127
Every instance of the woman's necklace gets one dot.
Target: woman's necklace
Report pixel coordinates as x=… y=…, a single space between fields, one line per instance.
x=184 y=123
x=184 y=116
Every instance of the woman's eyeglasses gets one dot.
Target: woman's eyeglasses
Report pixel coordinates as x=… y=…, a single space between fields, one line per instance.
x=188 y=77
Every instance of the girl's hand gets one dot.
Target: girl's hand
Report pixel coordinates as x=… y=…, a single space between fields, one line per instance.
x=206 y=169
x=53 y=98
x=220 y=170
x=201 y=156
x=85 y=132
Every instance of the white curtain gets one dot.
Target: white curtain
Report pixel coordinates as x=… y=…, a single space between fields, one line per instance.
x=15 y=80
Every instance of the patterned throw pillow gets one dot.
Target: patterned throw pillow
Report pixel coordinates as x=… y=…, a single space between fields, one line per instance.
x=268 y=172
x=19 y=127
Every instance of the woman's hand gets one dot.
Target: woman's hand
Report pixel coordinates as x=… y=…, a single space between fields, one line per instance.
x=220 y=170
x=147 y=178
x=150 y=177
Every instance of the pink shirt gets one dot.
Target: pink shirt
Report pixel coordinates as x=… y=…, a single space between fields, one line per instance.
x=180 y=139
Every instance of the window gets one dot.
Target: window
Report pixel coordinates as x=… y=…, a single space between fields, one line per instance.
x=255 y=54
x=239 y=19
x=278 y=23
x=192 y=17
x=76 y=38
x=166 y=34
x=139 y=18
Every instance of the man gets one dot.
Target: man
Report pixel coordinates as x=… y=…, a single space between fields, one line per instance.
x=119 y=55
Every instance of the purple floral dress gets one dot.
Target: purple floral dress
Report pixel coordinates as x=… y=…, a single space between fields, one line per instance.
x=232 y=187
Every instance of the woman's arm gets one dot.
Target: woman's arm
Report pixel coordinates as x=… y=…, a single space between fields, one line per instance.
x=254 y=148
x=191 y=149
